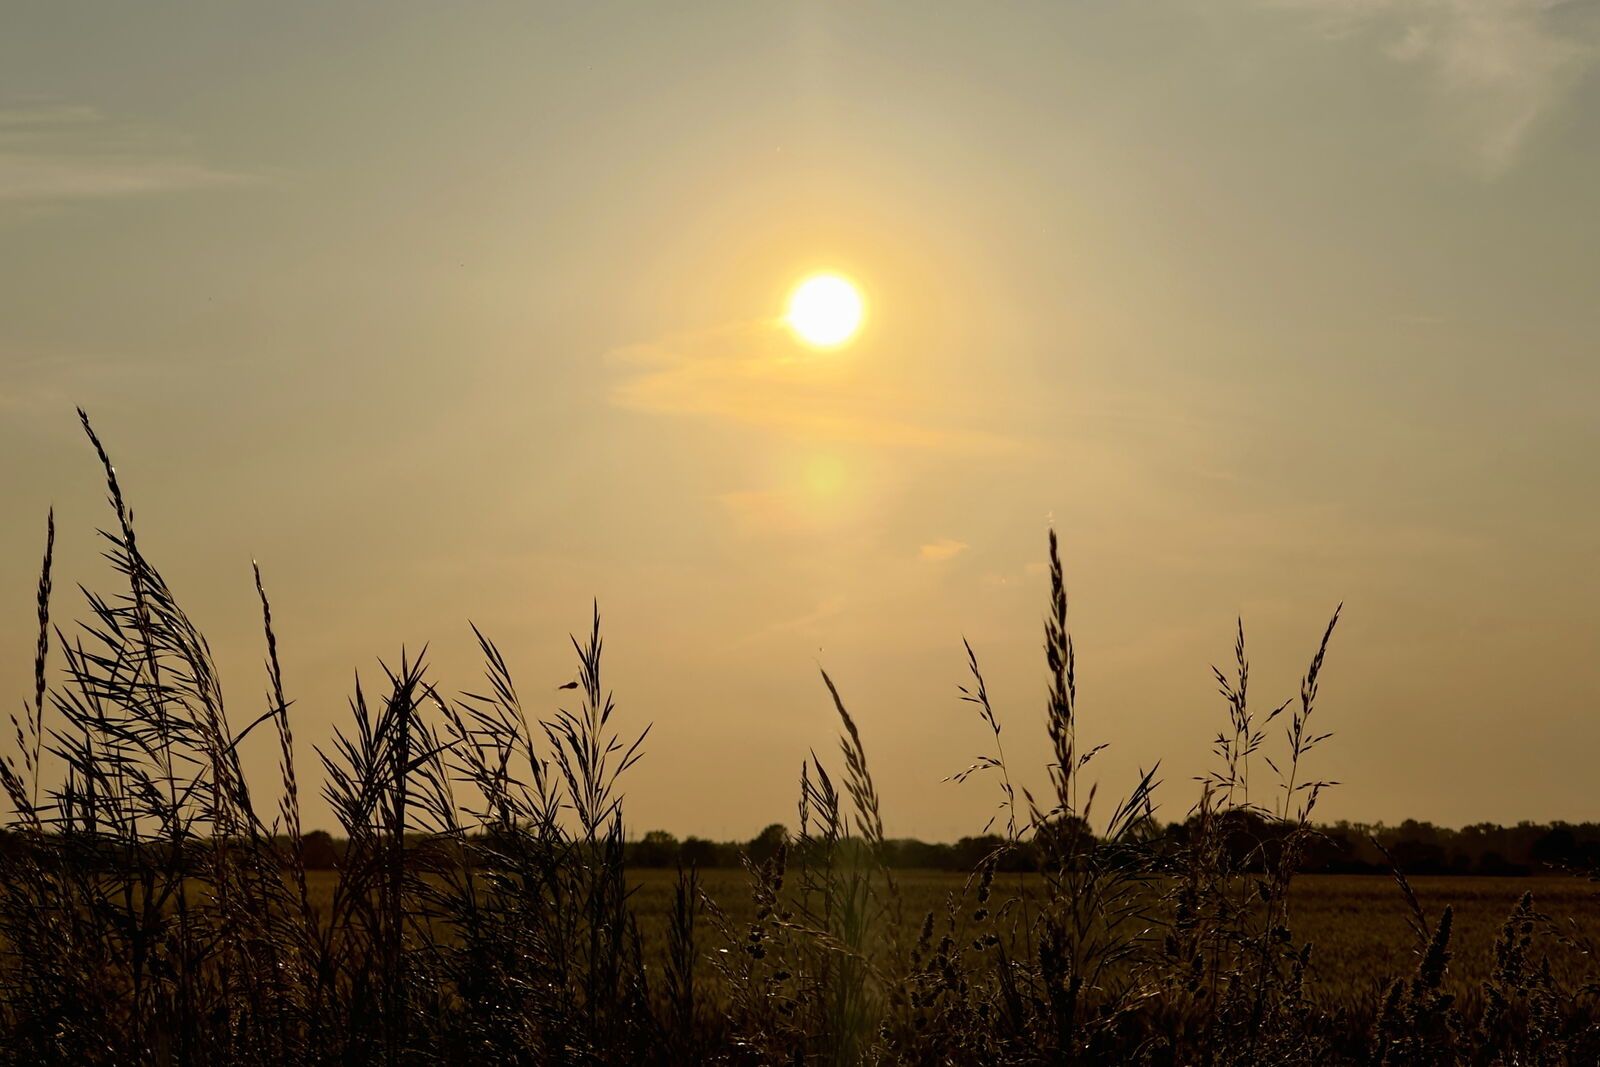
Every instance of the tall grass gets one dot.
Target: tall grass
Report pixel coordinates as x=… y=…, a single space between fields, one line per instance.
x=153 y=912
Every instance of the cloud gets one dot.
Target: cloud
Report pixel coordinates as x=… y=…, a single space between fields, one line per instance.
x=746 y=373
x=1499 y=66
x=942 y=549
x=60 y=152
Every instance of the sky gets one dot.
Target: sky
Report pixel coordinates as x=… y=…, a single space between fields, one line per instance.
x=473 y=312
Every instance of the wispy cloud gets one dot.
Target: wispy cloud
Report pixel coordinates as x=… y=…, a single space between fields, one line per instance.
x=60 y=152
x=1499 y=66
x=942 y=549
x=744 y=373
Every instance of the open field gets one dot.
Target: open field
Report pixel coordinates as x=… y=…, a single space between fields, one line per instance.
x=1355 y=923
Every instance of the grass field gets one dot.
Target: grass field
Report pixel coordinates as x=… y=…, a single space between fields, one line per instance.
x=1357 y=924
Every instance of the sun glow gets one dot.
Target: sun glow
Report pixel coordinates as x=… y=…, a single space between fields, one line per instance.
x=825 y=311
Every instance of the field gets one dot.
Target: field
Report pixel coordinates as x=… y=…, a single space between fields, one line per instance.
x=1356 y=923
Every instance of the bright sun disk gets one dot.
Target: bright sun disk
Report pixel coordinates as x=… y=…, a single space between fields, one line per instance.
x=825 y=310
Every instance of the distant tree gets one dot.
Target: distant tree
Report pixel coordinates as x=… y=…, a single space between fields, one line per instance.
x=318 y=852
x=1247 y=839
x=910 y=852
x=655 y=849
x=698 y=852
x=1495 y=864
x=1329 y=850
x=1419 y=857
x=1065 y=839
x=1556 y=848
x=765 y=845
x=972 y=851
x=1424 y=833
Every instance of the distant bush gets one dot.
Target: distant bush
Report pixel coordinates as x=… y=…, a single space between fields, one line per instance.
x=318 y=852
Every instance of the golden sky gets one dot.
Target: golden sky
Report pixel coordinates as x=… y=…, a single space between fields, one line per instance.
x=450 y=312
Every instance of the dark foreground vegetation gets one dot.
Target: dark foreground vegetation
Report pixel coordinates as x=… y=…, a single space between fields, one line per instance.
x=154 y=910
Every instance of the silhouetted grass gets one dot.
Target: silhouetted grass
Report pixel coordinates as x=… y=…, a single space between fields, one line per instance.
x=481 y=913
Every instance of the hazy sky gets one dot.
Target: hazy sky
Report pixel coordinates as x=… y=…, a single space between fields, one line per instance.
x=448 y=312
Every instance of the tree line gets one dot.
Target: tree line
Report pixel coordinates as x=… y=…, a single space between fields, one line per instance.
x=1415 y=848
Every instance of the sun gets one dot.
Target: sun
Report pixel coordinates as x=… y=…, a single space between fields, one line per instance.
x=825 y=310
